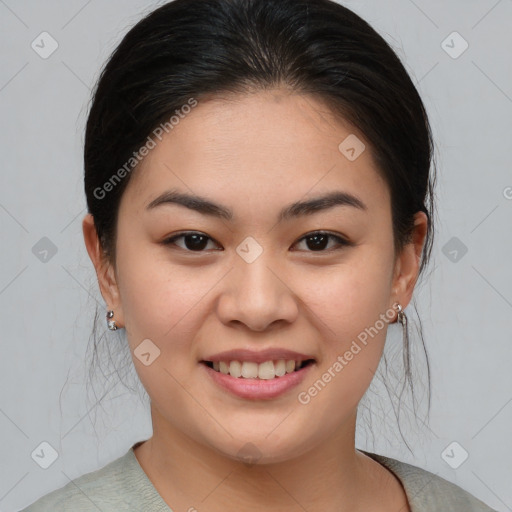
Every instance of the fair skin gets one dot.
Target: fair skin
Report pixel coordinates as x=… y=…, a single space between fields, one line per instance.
x=255 y=154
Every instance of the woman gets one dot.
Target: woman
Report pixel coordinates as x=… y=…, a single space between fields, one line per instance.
x=259 y=189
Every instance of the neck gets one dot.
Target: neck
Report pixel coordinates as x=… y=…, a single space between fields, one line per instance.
x=188 y=475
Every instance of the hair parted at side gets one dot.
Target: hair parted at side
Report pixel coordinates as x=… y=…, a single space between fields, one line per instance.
x=199 y=48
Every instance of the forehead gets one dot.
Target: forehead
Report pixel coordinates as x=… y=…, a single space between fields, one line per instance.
x=265 y=147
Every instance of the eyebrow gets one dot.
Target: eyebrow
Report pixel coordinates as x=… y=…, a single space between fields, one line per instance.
x=297 y=209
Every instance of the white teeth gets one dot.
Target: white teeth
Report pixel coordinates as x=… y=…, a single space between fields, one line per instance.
x=280 y=368
x=266 y=370
x=290 y=366
x=235 y=369
x=251 y=370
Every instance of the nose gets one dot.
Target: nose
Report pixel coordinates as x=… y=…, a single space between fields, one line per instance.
x=257 y=295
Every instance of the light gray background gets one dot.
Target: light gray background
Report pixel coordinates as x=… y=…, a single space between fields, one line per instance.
x=46 y=308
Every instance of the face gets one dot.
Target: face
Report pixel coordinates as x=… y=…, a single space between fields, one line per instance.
x=316 y=283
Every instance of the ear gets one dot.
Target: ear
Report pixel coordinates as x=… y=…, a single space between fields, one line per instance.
x=408 y=263
x=105 y=271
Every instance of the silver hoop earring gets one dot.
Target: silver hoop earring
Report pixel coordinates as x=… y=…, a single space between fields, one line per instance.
x=111 y=323
x=402 y=318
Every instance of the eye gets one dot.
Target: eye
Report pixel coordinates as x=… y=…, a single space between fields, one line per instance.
x=194 y=241
x=317 y=241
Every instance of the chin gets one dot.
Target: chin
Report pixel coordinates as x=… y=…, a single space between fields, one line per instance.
x=260 y=450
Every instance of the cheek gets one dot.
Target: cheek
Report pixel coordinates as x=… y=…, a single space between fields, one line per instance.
x=351 y=313
x=351 y=296
x=162 y=301
x=351 y=303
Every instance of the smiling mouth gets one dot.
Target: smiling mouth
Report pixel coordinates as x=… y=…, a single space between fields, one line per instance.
x=265 y=371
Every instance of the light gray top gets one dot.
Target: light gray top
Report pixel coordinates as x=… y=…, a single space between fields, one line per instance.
x=122 y=485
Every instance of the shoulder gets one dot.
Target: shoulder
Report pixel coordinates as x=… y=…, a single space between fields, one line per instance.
x=119 y=486
x=428 y=492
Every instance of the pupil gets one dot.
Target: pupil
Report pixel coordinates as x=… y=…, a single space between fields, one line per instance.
x=197 y=243
x=319 y=241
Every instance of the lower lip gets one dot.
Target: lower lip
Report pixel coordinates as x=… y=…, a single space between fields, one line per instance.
x=258 y=389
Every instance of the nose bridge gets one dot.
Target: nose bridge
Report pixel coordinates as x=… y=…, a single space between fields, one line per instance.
x=257 y=296
x=255 y=279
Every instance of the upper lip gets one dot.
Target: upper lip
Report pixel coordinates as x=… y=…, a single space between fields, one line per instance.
x=271 y=354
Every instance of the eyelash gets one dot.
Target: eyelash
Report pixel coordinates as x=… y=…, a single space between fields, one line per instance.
x=341 y=241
